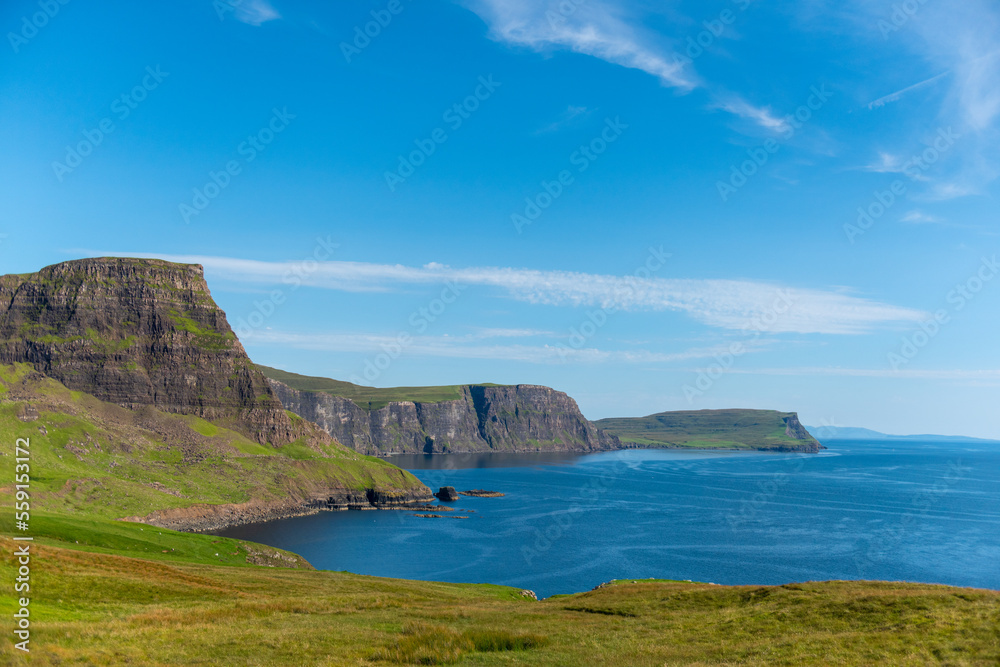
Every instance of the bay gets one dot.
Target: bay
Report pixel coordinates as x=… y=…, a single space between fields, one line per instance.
x=914 y=511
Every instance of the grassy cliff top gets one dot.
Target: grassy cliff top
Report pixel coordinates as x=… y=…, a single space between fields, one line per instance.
x=369 y=398
x=714 y=429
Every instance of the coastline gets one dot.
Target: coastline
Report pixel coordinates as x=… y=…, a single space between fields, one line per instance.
x=203 y=517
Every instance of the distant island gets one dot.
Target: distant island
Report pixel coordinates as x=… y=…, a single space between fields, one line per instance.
x=763 y=430
x=856 y=433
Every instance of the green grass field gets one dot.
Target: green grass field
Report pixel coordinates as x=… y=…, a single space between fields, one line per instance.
x=92 y=606
x=368 y=398
x=707 y=429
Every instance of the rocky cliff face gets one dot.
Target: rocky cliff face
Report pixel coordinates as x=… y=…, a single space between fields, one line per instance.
x=795 y=429
x=508 y=419
x=138 y=332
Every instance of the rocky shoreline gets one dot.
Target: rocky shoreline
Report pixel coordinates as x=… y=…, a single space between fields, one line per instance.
x=203 y=518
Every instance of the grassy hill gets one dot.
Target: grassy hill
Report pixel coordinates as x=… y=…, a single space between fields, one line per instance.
x=97 y=458
x=97 y=603
x=767 y=430
x=369 y=398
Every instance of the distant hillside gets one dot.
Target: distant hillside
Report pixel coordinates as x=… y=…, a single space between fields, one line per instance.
x=367 y=398
x=856 y=433
x=766 y=430
x=464 y=418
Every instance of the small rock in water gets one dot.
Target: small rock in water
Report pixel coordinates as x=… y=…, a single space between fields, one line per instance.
x=447 y=493
x=481 y=493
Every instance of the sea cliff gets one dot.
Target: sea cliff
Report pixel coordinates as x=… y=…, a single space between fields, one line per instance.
x=518 y=418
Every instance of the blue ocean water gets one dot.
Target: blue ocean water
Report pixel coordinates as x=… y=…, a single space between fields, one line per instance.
x=914 y=511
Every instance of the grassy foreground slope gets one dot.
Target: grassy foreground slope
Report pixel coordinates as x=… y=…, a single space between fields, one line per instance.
x=89 y=456
x=714 y=429
x=105 y=609
x=368 y=398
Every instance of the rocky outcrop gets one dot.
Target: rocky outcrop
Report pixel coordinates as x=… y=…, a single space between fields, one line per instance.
x=138 y=332
x=447 y=493
x=794 y=428
x=517 y=418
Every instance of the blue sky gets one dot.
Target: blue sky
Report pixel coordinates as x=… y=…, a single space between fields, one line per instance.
x=650 y=206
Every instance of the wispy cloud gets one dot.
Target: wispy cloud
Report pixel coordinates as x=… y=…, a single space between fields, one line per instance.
x=893 y=97
x=989 y=375
x=565 y=118
x=951 y=190
x=509 y=333
x=887 y=163
x=727 y=304
x=255 y=12
x=762 y=116
x=606 y=30
x=593 y=28
x=917 y=217
x=462 y=347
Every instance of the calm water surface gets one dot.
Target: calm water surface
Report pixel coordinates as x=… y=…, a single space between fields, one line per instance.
x=925 y=512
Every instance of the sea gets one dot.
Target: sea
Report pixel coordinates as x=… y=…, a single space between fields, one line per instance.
x=901 y=511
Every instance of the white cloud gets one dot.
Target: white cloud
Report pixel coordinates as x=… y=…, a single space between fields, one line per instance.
x=605 y=30
x=565 y=118
x=920 y=218
x=951 y=190
x=728 y=304
x=990 y=375
x=468 y=348
x=255 y=12
x=893 y=97
x=762 y=116
x=509 y=333
x=887 y=163
x=593 y=28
